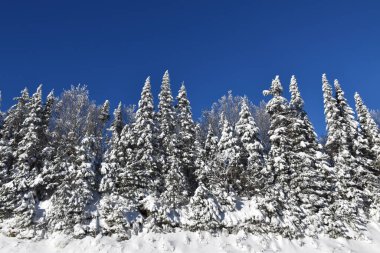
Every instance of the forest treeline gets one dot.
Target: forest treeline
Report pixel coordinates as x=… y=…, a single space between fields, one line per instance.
x=67 y=165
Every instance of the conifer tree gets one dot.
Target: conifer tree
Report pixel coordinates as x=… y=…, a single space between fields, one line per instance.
x=278 y=170
x=10 y=137
x=369 y=130
x=204 y=212
x=368 y=153
x=70 y=203
x=143 y=164
x=174 y=191
x=228 y=169
x=251 y=151
x=186 y=138
x=311 y=183
x=348 y=206
x=110 y=165
x=27 y=166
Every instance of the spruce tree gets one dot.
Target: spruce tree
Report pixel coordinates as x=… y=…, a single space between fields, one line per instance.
x=110 y=165
x=251 y=152
x=186 y=139
x=70 y=210
x=204 y=212
x=311 y=183
x=228 y=170
x=143 y=164
x=27 y=167
x=368 y=151
x=348 y=200
x=174 y=186
x=370 y=132
x=278 y=171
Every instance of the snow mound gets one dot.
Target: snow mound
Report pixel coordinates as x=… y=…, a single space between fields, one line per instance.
x=199 y=242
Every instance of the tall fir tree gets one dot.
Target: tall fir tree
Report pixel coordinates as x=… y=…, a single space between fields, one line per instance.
x=311 y=182
x=251 y=152
x=174 y=186
x=348 y=200
x=110 y=165
x=70 y=210
x=186 y=132
x=278 y=191
x=368 y=152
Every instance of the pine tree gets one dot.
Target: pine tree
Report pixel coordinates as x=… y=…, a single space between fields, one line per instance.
x=204 y=212
x=228 y=170
x=110 y=165
x=174 y=191
x=28 y=164
x=368 y=151
x=348 y=206
x=251 y=152
x=165 y=123
x=278 y=171
x=369 y=130
x=311 y=183
x=207 y=171
x=70 y=203
x=143 y=168
x=10 y=137
x=186 y=139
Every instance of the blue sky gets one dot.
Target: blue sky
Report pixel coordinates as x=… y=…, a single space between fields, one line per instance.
x=214 y=46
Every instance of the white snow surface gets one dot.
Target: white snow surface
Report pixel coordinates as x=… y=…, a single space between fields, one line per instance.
x=182 y=241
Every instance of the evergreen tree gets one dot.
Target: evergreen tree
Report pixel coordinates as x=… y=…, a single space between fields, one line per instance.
x=311 y=183
x=369 y=130
x=142 y=166
x=228 y=169
x=70 y=203
x=251 y=150
x=278 y=171
x=186 y=139
x=204 y=212
x=110 y=165
x=368 y=152
x=174 y=191
x=10 y=137
x=348 y=206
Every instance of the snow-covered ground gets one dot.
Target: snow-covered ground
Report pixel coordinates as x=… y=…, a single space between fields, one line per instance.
x=193 y=242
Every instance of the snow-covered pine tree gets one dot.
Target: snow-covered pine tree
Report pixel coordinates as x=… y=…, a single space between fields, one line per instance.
x=251 y=152
x=70 y=210
x=142 y=165
x=278 y=171
x=207 y=171
x=113 y=206
x=370 y=131
x=368 y=151
x=172 y=176
x=186 y=139
x=204 y=212
x=348 y=201
x=27 y=166
x=311 y=184
x=110 y=165
x=228 y=170
x=10 y=137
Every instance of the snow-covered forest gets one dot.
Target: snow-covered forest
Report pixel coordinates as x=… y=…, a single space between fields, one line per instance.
x=68 y=165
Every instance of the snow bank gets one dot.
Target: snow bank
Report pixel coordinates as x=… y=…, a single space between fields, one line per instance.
x=193 y=242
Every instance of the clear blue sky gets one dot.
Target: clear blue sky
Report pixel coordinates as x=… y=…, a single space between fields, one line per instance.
x=214 y=46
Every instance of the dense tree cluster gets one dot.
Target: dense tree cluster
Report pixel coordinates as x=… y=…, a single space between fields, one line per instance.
x=155 y=169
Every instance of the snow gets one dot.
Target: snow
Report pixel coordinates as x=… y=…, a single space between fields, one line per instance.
x=200 y=242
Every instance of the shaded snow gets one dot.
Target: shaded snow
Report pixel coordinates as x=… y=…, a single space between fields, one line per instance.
x=193 y=242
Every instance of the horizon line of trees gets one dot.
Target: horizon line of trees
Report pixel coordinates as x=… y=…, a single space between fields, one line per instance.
x=158 y=169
